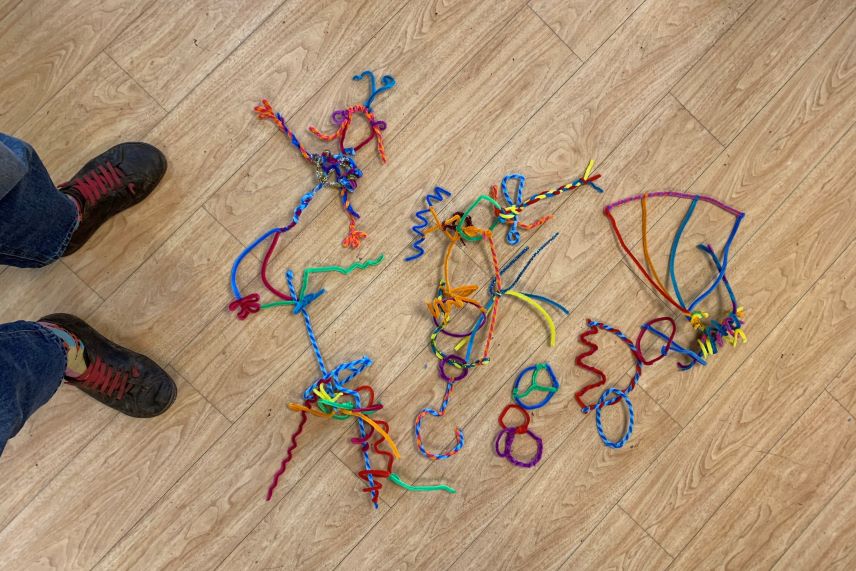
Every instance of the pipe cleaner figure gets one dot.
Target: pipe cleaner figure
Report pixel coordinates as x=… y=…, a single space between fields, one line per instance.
x=330 y=397
x=712 y=334
x=459 y=228
x=337 y=171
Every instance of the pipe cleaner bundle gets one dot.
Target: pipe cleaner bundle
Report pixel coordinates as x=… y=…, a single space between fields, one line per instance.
x=330 y=397
x=337 y=171
x=455 y=365
x=711 y=334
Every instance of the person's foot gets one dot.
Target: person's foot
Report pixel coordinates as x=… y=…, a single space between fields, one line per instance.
x=110 y=183
x=118 y=377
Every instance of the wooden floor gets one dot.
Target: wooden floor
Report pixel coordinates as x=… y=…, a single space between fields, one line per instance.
x=749 y=462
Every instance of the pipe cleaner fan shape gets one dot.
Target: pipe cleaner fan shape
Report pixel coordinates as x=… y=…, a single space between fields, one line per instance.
x=337 y=171
x=454 y=366
x=712 y=334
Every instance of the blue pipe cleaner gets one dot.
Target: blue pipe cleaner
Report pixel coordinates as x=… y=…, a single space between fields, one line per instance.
x=437 y=196
x=387 y=83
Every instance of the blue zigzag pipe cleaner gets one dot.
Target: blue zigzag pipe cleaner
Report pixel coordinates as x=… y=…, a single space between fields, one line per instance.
x=430 y=199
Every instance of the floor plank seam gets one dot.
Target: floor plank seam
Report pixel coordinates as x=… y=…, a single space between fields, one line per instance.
x=841 y=404
x=203 y=198
x=137 y=83
x=697 y=120
x=549 y=27
x=787 y=80
x=648 y=535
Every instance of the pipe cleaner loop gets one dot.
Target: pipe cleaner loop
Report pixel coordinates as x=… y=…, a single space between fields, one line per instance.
x=509 y=435
x=517 y=396
x=664 y=350
x=521 y=428
x=620 y=395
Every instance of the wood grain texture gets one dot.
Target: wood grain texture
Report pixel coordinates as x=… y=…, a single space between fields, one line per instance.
x=429 y=42
x=618 y=543
x=584 y=24
x=562 y=272
x=100 y=107
x=746 y=67
x=172 y=47
x=782 y=495
x=45 y=43
x=131 y=462
x=179 y=305
x=830 y=541
x=56 y=289
x=48 y=442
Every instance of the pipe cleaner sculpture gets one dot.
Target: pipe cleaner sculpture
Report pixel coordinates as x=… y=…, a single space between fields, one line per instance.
x=504 y=443
x=459 y=228
x=338 y=172
x=712 y=334
x=329 y=397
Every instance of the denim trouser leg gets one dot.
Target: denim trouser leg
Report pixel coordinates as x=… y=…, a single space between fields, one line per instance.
x=36 y=220
x=32 y=363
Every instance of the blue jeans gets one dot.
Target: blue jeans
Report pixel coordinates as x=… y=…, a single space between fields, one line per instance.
x=36 y=220
x=32 y=363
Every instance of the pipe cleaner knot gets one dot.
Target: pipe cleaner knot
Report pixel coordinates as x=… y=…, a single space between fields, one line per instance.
x=246 y=305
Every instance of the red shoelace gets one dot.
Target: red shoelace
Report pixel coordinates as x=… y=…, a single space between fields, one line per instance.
x=106 y=379
x=99 y=182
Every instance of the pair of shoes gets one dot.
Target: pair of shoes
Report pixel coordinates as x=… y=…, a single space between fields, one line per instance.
x=124 y=380
x=114 y=181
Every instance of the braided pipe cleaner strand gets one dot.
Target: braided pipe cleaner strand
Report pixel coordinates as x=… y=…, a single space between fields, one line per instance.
x=712 y=333
x=338 y=172
x=460 y=227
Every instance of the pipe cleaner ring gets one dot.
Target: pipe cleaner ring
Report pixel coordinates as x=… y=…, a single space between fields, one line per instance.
x=520 y=429
x=620 y=395
x=456 y=361
x=664 y=350
x=440 y=355
x=510 y=434
x=534 y=386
